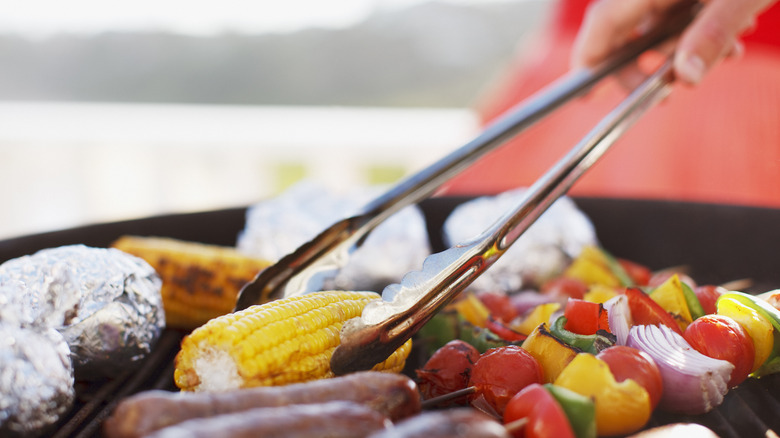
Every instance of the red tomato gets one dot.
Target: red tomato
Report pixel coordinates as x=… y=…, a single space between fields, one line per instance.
x=630 y=363
x=645 y=311
x=502 y=372
x=545 y=417
x=448 y=370
x=585 y=317
x=640 y=274
x=721 y=337
x=708 y=296
x=563 y=286
x=499 y=305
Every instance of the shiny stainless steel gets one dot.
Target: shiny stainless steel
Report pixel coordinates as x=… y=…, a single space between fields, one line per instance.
x=300 y=272
x=366 y=342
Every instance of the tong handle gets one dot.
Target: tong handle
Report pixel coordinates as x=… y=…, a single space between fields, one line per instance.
x=295 y=274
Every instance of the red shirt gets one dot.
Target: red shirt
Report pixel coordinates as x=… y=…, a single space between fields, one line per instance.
x=716 y=142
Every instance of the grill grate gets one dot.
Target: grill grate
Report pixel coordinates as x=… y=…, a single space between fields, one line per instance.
x=657 y=234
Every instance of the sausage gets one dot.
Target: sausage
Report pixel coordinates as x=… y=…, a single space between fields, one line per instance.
x=393 y=395
x=332 y=419
x=458 y=422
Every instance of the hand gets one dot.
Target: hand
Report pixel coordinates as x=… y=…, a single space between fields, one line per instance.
x=713 y=35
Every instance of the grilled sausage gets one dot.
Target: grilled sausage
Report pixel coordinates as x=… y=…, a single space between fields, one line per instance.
x=393 y=395
x=454 y=423
x=332 y=419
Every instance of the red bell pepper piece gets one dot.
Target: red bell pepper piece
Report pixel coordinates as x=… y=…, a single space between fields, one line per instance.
x=645 y=311
x=585 y=317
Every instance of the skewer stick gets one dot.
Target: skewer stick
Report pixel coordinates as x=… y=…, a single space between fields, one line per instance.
x=739 y=284
x=435 y=401
x=516 y=425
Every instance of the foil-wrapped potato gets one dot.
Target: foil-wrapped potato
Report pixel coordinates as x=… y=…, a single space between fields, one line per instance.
x=277 y=226
x=105 y=303
x=36 y=379
x=540 y=253
x=70 y=313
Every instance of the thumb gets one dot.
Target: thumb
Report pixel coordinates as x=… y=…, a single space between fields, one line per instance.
x=713 y=34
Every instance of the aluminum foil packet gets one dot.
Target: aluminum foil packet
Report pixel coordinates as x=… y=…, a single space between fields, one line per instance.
x=542 y=252
x=105 y=303
x=278 y=226
x=36 y=379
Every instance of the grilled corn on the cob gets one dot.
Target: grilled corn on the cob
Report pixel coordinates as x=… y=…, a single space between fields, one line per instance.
x=200 y=281
x=284 y=341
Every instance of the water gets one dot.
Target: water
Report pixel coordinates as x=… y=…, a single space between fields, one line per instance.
x=69 y=164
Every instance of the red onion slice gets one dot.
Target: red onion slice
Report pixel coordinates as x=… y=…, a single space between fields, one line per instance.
x=693 y=383
x=619 y=315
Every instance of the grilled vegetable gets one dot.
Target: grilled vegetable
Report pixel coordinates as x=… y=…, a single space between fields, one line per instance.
x=721 y=337
x=448 y=370
x=552 y=354
x=499 y=374
x=758 y=327
x=593 y=344
x=621 y=407
x=284 y=341
x=200 y=282
x=544 y=417
x=629 y=363
x=671 y=297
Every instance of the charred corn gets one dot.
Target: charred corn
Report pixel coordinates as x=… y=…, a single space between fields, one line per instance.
x=285 y=341
x=200 y=281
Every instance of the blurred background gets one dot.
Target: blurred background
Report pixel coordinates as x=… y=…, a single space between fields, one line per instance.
x=116 y=110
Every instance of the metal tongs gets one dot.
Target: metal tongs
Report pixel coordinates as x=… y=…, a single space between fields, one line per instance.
x=299 y=272
x=386 y=324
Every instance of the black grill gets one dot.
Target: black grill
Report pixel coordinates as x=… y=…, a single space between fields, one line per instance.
x=719 y=243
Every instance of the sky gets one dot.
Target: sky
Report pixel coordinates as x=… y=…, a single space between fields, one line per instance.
x=44 y=17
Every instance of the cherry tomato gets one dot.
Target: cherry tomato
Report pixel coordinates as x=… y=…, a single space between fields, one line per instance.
x=448 y=370
x=502 y=372
x=645 y=311
x=499 y=305
x=639 y=274
x=545 y=417
x=629 y=363
x=708 y=296
x=585 y=317
x=565 y=286
x=721 y=337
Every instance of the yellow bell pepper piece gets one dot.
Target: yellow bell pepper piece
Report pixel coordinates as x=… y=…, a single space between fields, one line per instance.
x=552 y=354
x=621 y=408
x=473 y=310
x=540 y=314
x=598 y=293
x=671 y=297
x=759 y=328
x=591 y=267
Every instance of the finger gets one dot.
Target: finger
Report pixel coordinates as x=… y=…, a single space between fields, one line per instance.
x=610 y=24
x=636 y=72
x=713 y=35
